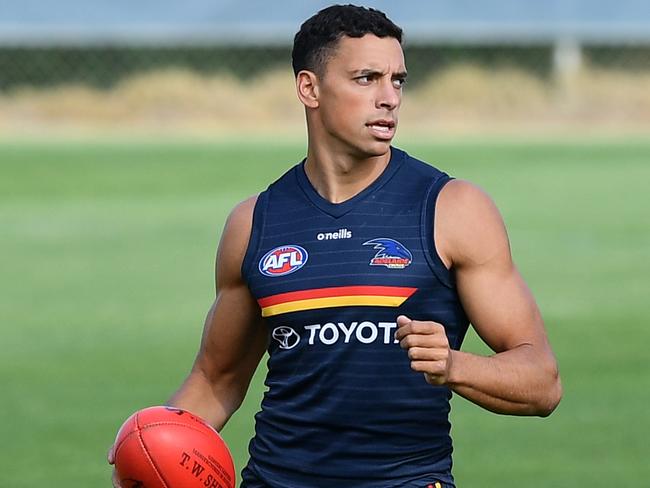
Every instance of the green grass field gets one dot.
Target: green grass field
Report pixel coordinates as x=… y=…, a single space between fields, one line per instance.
x=106 y=262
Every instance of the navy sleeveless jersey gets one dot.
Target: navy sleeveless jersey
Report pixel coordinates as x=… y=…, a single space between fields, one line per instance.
x=342 y=406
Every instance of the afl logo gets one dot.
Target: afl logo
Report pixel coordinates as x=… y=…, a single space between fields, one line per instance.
x=283 y=260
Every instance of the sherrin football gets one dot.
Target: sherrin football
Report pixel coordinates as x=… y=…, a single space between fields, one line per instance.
x=165 y=447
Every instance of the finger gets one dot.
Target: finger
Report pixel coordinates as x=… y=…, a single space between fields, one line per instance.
x=434 y=368
x=426 y=327
x=434 y=341
x=111 y=455
x=427 y=354
x=116 y=481
x=419 y=327
x=402 y=320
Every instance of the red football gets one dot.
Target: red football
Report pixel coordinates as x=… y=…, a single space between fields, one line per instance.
x=165 y=447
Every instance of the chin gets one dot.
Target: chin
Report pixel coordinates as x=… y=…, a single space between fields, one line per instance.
x=364 y=148
x=367 y=151
x=378 y=148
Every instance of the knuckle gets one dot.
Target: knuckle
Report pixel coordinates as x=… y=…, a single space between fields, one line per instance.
x=438 y=328
x=411 y=341
x=423 y=327
x=416 y=327
x=414 y=353
x=441 y=340
x=442 y=352
x=434 y=328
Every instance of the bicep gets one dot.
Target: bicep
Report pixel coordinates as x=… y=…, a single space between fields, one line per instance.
x=494 y=295
x=500 y=306
x=234 y=336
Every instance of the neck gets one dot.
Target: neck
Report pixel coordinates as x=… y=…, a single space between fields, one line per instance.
x=338 y=176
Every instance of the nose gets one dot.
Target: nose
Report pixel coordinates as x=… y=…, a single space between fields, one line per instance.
x=388 y=97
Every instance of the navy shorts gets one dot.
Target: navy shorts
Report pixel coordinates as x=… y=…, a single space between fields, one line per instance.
x=251 y=479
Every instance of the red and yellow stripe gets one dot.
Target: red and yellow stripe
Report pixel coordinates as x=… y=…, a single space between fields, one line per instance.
x=337 y=296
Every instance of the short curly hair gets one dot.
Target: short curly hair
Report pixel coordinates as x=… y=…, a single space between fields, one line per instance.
x=318 y=36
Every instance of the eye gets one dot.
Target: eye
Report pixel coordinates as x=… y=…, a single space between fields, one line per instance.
x=399 y=82
x=364 y=80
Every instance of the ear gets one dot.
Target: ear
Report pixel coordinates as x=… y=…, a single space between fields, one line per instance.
x=307 y=88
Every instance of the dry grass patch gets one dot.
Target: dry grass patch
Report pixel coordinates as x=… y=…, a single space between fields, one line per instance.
x=463 y=96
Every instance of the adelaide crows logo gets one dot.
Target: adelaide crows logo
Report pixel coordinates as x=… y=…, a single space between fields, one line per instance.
x=390 y=253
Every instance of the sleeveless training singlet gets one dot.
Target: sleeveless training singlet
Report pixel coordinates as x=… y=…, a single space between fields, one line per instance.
x=343 y=407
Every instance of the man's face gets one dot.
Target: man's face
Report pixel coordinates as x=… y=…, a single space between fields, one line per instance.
x=360 y=94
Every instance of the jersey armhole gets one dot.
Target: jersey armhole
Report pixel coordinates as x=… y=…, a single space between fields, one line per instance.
x=427 y=225
x=257 y=229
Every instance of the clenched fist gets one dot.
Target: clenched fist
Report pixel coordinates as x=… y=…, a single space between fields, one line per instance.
x=427 y=347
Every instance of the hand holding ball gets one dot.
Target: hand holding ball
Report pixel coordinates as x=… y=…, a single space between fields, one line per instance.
x=165 y=447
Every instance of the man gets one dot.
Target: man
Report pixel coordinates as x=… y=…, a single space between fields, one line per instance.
x=359 y=271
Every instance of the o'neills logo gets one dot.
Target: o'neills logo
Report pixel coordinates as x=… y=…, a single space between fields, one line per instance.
x=339 y=234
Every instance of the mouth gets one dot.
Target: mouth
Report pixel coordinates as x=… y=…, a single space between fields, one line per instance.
x=383 y=128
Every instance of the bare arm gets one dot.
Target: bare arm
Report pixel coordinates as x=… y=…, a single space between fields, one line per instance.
x=234 y=337
x=521 y=378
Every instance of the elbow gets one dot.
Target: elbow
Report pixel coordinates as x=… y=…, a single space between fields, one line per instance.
x=551 y=395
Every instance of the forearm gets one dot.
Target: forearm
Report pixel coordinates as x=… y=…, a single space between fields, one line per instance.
x=213 y=403
x=515 y=382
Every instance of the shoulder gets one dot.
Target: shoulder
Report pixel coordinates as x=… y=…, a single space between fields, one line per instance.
x=463 y=198
x=242 y=214
x=469 y=227
x=234 y=239
x=419 y=168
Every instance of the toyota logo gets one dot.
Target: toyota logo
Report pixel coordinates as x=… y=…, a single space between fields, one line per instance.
x=286 y=336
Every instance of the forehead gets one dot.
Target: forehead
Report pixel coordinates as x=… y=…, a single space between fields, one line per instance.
x=368 y=52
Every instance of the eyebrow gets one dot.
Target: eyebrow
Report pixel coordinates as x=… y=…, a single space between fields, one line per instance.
x=375 y=72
